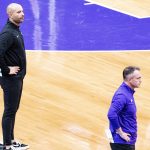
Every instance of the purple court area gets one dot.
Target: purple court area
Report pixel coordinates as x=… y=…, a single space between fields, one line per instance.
x=71 y=25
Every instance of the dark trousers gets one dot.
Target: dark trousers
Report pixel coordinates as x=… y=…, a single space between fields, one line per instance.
x=117 y=146
x=12 y=89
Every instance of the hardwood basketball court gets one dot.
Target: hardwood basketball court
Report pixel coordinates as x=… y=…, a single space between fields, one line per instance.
x=67 y=95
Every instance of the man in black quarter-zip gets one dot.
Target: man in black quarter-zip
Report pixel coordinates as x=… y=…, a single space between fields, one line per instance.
x=13 y=70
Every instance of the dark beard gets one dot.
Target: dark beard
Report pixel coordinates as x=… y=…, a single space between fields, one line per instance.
x=18 y=21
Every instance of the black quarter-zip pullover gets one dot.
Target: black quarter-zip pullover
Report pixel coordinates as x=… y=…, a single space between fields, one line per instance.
x=12 y=50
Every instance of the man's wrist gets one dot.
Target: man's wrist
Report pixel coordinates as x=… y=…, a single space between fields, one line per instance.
x=119 y=131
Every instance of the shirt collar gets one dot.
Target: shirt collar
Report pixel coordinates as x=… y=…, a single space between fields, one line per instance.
x=12 y=24
x=128 y=88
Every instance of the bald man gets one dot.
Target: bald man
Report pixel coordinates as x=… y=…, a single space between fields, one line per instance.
x=13 y=71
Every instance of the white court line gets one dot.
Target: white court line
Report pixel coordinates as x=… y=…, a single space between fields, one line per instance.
x=90 y=51
x=88 y=3
x=115 y=9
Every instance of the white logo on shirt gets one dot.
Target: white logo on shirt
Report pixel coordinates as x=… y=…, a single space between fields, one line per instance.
x=131 y=100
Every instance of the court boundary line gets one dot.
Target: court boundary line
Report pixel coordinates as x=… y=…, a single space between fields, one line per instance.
x=91 y=2
x=83 y=51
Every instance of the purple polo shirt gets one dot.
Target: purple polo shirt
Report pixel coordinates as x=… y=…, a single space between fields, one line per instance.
x=122 y=113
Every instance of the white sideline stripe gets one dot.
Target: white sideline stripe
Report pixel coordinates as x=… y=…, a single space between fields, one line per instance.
x=88 y=3
x=115 y=9
x=89 y=51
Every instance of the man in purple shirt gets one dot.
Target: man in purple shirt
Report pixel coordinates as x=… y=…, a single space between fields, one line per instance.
x=122 y=111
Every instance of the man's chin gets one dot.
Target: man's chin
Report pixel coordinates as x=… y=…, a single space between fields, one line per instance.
x=21 y=20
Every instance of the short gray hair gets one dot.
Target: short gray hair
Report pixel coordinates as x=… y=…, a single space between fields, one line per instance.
x=129 y=70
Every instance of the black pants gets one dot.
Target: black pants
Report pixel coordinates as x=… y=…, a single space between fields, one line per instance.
x=116 y=146
x=12 y=89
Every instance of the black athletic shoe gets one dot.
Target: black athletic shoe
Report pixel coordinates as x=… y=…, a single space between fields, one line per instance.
x=11 y=148
x=1 y=147
x=20 y=146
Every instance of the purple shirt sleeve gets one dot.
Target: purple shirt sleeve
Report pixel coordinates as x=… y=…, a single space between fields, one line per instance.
x=118 y=103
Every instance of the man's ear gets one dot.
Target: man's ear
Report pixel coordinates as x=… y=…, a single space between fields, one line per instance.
x=130 y=79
